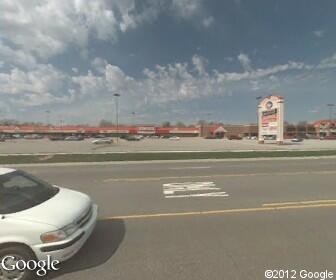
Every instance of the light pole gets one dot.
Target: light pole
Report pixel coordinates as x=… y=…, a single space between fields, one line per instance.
x=208 y=117
x=117 y=95
x=331 y=106
x=133 y=115
x=330 y=111
x=47 y=117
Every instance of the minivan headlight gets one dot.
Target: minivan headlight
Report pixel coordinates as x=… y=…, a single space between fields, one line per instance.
x=70 y=229
x=59 y=235
x=53 y=236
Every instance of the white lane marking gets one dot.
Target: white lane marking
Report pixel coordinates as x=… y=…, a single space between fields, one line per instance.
x=171 y=188
x=212 y=194
x=192 y=189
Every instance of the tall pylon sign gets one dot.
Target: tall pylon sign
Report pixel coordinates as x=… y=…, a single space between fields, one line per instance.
x=271 y=119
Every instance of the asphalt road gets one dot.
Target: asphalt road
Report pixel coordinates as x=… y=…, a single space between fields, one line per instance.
x=240 y=219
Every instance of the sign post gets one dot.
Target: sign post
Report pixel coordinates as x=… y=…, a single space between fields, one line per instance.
x=271 y=119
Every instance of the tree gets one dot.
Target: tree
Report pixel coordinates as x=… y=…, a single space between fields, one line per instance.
x=180 y=124
x=104 y=123
x=201 y=122
x=166 y=124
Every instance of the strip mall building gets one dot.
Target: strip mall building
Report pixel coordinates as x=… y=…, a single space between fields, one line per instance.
x=319 y=128
x=215 y=131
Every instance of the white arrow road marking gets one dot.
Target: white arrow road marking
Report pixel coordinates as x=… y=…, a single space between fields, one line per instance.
x=188 y=186
x=195 y=189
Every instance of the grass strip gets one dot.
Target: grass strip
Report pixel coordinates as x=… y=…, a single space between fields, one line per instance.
x=63 y=158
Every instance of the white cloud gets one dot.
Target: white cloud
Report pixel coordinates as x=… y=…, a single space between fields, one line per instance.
x=16 y=57
x=38 y=81
x=187 y=8
x=199 y=63
x=74 y=69
x=179 y=81
x=319 y=33
x=36 y=30
x=51 y=26
x=99 y=64
x=329 y=62
x=161 y=85
x=90 y=84
x=261 y=73
x=42 y=85
x=245 y=62
x=208 y=21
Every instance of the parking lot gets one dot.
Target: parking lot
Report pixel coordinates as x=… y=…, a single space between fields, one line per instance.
x=25 y=146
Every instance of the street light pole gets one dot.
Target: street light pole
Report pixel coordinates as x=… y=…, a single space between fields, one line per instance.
x=330 y=111
x=47 y=117
x=117 y=95
x=331 y=106
x=133 y=115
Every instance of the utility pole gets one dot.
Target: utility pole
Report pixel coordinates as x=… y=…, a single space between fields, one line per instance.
x=331 y=106
x=117 y=95
x=47 y=117
x=133 y=115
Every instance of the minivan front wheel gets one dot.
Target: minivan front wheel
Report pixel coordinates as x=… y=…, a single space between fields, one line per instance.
x=11 y=259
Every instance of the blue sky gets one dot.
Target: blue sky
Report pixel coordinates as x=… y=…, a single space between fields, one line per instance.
x=169 y=59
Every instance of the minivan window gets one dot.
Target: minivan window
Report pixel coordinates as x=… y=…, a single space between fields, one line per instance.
x=20 y=191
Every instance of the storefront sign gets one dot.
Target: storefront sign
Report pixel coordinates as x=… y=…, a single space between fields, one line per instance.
x=271 y=118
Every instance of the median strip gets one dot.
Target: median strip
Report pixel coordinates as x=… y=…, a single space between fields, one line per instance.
x=115 y=157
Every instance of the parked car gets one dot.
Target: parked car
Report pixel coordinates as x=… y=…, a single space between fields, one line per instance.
x=56 y=137
x=2 y=139
x=174 y=138
x=330 y=137
x=98 y=136
x=38 y=220
x=102 y=141
x=132 y=138
x=297 y=140
x=33 y=136
x=234 y=137
x=74 y=138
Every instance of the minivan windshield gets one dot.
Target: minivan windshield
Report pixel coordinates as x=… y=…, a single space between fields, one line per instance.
x=20 y=191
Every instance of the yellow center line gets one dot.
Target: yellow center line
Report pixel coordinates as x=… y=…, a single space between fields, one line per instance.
x=217 y=212
x=299 y=202
x=331 y=172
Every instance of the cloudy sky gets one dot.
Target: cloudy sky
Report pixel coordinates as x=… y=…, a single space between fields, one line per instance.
x=168 y=59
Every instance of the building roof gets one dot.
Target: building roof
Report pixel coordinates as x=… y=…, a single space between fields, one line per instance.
x=324 y=122
x=216 y=128
x=84 y=129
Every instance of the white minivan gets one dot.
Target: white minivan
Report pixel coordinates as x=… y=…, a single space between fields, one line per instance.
x=40 y=221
